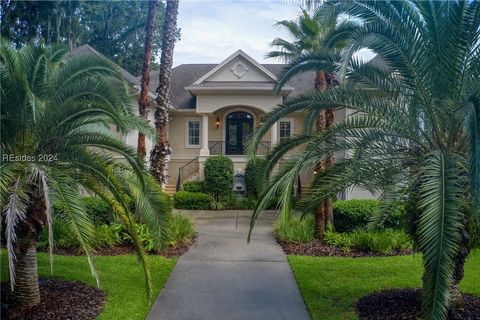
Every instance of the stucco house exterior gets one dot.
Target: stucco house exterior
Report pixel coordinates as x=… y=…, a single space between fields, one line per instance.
x=214 y=109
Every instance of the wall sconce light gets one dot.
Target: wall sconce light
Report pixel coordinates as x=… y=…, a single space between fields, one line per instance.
x=218 y=122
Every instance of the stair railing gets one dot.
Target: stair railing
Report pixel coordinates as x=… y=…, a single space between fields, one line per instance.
x=187 y=171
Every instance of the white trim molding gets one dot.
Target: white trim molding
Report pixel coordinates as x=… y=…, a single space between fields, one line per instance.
x=187 y=132
x=292 y=126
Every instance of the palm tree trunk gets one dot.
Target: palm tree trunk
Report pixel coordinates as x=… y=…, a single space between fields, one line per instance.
x=26 y=292
x=320 y=85
x=147 y=57
x=329 y=119
x=161 y=149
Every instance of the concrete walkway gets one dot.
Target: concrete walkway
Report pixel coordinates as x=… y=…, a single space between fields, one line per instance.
x=223 y=277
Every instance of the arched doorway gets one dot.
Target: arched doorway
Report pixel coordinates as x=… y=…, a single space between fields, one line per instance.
x=239 y=125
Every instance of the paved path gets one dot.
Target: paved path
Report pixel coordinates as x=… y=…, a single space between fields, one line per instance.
x=225 y=278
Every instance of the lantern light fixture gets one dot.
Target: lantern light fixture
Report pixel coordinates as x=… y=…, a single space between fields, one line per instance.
x=218 y=122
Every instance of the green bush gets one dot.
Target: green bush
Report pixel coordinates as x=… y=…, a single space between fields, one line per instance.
x=381 y=241
x=353 y=214
x=193 y=186
x=97 y=209
x=350 y=215
x=254 y=172
x=193 y=200
x=180 y=229
x=143 y=234
x=297 y=229
x=65 y=238
x=219 y=176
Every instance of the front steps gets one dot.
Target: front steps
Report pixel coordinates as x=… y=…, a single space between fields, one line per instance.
x=170 y=189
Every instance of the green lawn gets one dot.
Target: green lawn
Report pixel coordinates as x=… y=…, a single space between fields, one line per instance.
x=331 y=286
x=121 y=277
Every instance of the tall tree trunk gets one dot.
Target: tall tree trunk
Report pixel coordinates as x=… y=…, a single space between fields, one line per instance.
x=26 y=291
x=147 y=57
x=329 y=119
x=320 y=85
x=161 y=149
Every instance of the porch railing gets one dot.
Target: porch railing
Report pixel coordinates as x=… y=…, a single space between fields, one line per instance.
x=219 y=148
x=187 y=171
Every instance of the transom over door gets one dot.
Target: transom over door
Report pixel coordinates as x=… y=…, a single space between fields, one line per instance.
x=239 y=126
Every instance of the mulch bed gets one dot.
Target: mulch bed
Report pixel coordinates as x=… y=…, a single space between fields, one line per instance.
x=317 y=249
x=171 y=252
x=405 y=304
x=60 y=300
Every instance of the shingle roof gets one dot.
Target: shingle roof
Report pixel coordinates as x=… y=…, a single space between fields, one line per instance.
x=186 y=74
x=86 y=49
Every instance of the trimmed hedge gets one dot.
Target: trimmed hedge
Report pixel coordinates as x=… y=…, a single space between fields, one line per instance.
x=353 y=214
x=193 y=186
x=254 y=172
x=193 y=200
x=219 y=176
x=350 y=215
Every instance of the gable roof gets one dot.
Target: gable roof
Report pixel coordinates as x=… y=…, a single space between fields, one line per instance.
x=185 y=74
x=238 y=53
x=86 y=49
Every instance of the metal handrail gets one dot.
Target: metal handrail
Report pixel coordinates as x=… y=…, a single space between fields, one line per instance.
x=218 y=147
x=186 y=171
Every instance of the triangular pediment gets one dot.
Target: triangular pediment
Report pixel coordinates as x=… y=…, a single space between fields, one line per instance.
x=239 y=67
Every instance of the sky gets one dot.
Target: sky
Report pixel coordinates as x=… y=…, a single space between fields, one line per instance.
x=211 y=30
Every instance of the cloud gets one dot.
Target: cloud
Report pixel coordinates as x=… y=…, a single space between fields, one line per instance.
x=212 y=30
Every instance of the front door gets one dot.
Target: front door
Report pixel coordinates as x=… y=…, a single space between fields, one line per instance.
x=239 y=126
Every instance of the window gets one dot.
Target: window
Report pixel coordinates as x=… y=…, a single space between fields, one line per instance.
x=285 y=128
x=193 y=133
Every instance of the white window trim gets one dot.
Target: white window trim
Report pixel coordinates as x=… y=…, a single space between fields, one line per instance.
x=187 y=144
x=292 y=126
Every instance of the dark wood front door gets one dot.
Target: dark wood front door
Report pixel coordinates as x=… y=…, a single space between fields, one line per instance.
x=239 y=126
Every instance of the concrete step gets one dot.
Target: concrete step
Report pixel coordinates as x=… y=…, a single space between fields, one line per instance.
x=170 y=189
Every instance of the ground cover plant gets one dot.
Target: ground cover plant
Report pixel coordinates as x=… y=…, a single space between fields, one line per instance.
x=120 y=278
x=331 y=286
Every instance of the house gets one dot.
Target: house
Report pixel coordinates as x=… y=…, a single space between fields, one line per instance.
x=216 y=106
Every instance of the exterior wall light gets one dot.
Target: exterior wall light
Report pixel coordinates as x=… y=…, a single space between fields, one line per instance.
x=218 y=122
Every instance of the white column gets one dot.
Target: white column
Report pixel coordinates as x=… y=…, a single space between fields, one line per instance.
x=204 y=146
x=274 y=132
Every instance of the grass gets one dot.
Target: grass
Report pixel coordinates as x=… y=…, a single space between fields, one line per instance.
x=121 y=277
x=331 y=286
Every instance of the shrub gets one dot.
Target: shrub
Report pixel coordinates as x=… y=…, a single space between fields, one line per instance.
x=297 y=229
x=180 y=229
x=219 y=176
x=65 y=238
x=97 y=209
x=352 y=214
x=143 y=234
x=380 y=241
x=193 y=186
x=193 y=200
x=254 y=172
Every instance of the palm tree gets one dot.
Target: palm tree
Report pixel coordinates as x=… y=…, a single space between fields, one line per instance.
x=147 y=58
x=161 y=149
x=57 y=115
x=313 y=33
x=415 y=136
